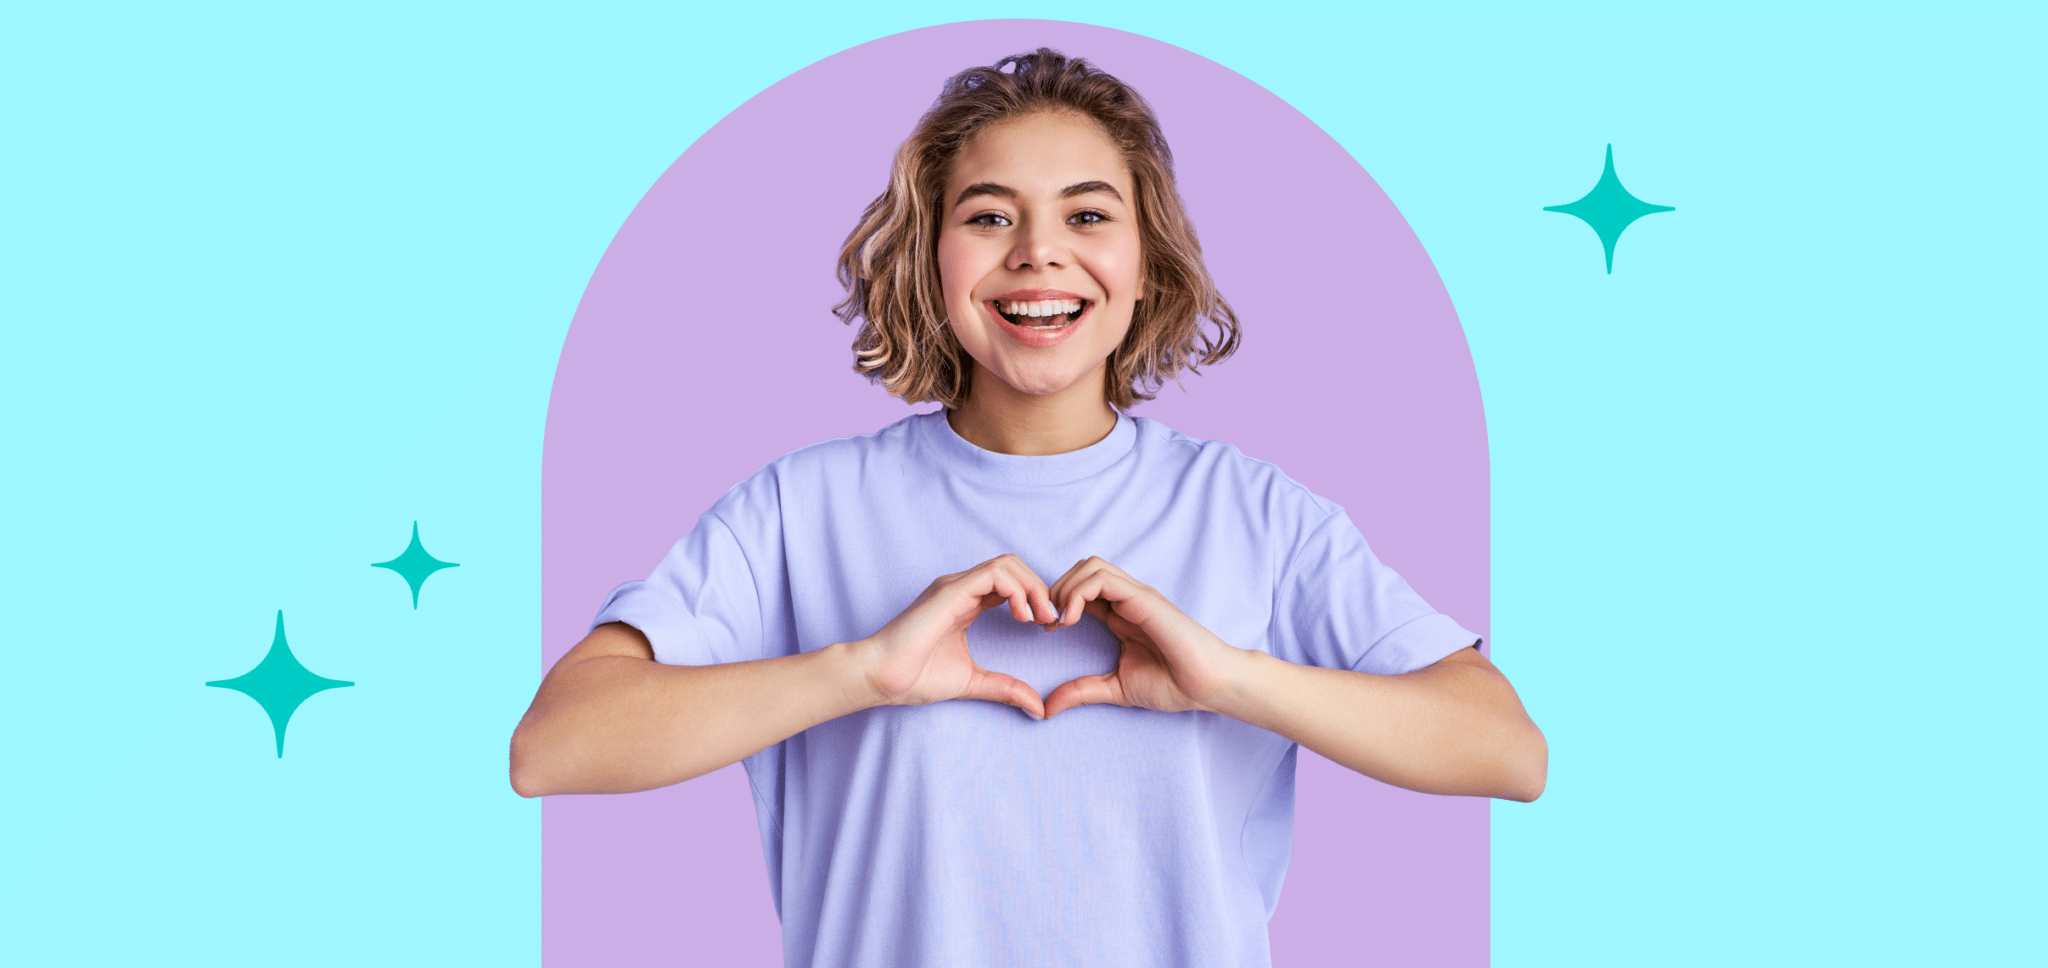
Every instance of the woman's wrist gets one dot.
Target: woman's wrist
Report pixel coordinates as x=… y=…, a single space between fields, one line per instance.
x=1245 y=674
x=846 y=666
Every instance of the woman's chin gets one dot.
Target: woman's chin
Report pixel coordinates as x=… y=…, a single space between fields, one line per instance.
x=1037 y=382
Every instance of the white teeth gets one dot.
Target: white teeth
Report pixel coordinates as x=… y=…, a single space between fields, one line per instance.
x=1039 y=307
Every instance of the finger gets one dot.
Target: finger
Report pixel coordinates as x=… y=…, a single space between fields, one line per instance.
x=1082 y=571
x=1043 y=612
x=1111 y=591
x=1095 y=592
x=1038 y=602
x=1076 y=587
x=1006 y=689
x=1016 y=592
x=1105 y=688
x=1059 y=585
x=998 y=580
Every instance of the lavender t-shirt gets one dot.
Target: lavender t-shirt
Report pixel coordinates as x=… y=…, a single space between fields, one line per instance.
x=965 y=832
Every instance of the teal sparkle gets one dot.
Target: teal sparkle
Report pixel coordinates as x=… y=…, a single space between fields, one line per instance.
x=1609 y=208
x=279 y=683
x=415 y=564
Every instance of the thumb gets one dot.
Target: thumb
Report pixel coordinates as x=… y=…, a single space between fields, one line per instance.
x=1105 y=688
x=1006 y=689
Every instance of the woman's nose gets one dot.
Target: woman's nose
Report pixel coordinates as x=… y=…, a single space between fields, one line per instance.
x=1036 y=248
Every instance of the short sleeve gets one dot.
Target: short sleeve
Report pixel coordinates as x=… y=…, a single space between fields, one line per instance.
x=700 y=606
x=1338 y=607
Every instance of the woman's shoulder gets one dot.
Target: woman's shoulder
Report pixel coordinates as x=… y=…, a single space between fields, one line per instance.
x=1226 y=471
x=842 y=454
x=842 y=459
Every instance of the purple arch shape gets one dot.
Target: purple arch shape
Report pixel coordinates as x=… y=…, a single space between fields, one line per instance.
x=703 y=348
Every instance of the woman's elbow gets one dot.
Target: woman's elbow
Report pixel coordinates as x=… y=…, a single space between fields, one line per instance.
x=527 y=776
x=1528 y=767
x=527 y=785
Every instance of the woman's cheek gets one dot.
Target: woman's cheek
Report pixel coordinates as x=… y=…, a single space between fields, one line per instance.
x=1121 y=268
x=957 y=276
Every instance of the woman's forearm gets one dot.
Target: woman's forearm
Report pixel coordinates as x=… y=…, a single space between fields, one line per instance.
x=1455 y=728
x=616 y=721
x=610 y=719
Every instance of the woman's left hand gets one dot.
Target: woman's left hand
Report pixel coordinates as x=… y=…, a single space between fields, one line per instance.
x=1454 y=728
x=1168 y=661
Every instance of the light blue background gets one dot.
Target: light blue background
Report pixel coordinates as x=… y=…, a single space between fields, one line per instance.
x=276 y=284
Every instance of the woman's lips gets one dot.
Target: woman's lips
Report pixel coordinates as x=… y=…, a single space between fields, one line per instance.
x=1052 y=329
x=1039 y=317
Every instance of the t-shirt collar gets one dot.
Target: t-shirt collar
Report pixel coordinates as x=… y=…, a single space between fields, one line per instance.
x=957 y=456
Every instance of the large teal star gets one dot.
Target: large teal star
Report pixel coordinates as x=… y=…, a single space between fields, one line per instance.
x=1609 y=208
x=279 y=683
x=415 y=564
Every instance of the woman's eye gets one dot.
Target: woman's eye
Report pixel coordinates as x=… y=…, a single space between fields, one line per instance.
x=1087 y=217
x=990 y=219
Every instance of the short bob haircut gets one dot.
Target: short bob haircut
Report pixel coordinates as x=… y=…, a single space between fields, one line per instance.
x=889 y=264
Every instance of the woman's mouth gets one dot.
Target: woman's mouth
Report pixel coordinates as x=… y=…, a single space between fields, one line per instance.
x=1041 y=314
x=1040 y=319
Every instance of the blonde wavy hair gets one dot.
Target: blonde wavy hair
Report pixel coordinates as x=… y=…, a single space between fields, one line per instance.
x=889 y=264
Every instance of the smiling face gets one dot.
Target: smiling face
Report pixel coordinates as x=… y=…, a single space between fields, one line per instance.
x=1039 y=252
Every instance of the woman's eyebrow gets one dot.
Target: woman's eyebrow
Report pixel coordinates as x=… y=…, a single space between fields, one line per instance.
x=984 y=188
x=1005 y=191
x=1083 y=188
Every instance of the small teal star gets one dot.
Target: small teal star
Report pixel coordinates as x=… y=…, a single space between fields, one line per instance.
x=415 y=564
x=279 y=683
x=1609 y=208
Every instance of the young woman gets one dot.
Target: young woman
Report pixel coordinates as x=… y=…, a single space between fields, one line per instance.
x=1175 y=617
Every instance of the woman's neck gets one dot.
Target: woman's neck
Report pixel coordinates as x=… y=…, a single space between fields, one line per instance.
x=997 y=417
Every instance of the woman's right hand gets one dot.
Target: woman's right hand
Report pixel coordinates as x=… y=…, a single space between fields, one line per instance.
x=921 y=655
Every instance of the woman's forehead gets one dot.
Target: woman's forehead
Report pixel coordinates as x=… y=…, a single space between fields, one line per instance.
x=1040 y=154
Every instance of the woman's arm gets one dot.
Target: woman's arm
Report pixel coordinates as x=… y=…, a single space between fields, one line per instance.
x=610 y=719
x=1455 y=727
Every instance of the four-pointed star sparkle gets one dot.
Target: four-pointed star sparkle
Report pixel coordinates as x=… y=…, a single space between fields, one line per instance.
x=279 y=683
x=1609 y=208
x=415 y=564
